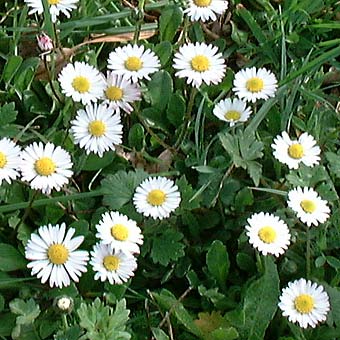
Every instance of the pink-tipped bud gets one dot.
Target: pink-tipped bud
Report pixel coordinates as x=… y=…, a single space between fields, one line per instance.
x=45 y=43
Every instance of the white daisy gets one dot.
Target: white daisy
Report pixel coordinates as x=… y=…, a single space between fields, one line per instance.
x=53 y=255
x=304 y=302
x=251 y=84
x=133 y=62
x=308 y=206
x=156 y=197
x=56 y=6
x=205 y=9
x=113 y=265
x=232 y=111
x=293 y=152
x=199 y=63
x=45 y=167
x=82 y=82
x=119 y=232
x=9 y=160
x=97 y=129
x=119 y=93
x=268 y=233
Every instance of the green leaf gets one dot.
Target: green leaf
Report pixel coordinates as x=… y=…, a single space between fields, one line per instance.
x=27 y=311
x=224 y=334
x=334 y=296
x=159 y=334
x=170 y=21
x=237 y=35
x=169 y=302
x=136 y=136
x=94 y=162
x=164 y=51
x=119 y=188
x=8 y=114
x=7 y=324
x=176 y=109
x=11 y=67
x=10 y=258
x=218 y=262
x=189 y=198
x=260 y=302
x=167 y=247
x=160 y=89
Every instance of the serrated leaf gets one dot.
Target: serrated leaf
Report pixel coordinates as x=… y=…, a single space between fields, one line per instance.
x=27 y=311
x=8 y=114
x=168 y=301
x=119 y=188
x=229 y=333
x=208 y=322
x=167 y=247
x=10 y=258
x=260 y=302
x=189 y=199
x=218 y=262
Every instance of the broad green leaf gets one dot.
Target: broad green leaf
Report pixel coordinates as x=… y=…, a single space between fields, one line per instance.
x=237 y=35
x=229 y=333
x=10 y=258
x=260 y=302
x=170 y=21
x=7 y=324
x=176 y=109
x=167 y=247
x=94 y=162
x=159 y=334
x=160 y=89
x=218 y=262
x=119 y=188
x=334 y=296
x=136 y=136
x=169 y=302
x=164 y=51
x=11 y=67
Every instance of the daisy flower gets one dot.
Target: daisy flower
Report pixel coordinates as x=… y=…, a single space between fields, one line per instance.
x=82 y=82
x=9 y=160
x=133 y=62
x=232 y=111
x=304 y=302
x=205 y=9
x=119 y=232
x=308 y=206
x=97 y=129
x=119 y=93
x=53 y=255
x=56 y=6
x=268 y=233
x=45 y=167
x=293 y=152
x=251 y=84
x=199 y=63
x=156 y=197
x=113 y=265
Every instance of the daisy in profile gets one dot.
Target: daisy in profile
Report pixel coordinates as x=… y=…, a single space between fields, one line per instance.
x=9 y=160
x=304 y=302
x=119 y=232
x=56 y=6
x=199 y=63
x=268 y=233
x=82 y=82
x=119 y=93
x=251 y=84
x=46 y=167
x=156 y=197
x=97 y=129
x=308 y=206
x=115 y=266
x=133 y=62
x=53 y=255
x=205 y=9
x=232 y=111
x=293 y=152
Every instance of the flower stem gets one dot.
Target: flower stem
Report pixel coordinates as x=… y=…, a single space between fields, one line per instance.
x=308 y=254
x=140 y=17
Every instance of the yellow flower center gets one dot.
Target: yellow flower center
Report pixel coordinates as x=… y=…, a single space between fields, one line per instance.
x=296 y=151
x=81 y=84
x=254 y=84
x=53 y=2
x=202 y=3
x=44 y=166
x=200 y=63
x=156 y=197
x=232 y=115
x=133 y=63
x=3 y=160
x=114 y=93
x=111 y=262
x=57 y=254
x=308 y=206
x=120 y=232
x=267 y=234
x=304 y=303
x=97 y=128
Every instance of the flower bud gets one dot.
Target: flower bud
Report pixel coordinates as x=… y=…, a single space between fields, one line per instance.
x=64 y=304
x=45 y=43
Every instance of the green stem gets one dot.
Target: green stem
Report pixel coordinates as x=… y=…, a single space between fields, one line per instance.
x=308 y=254
x=139 y=22
x=187 y=120
x=259 y=262
x=64 y=320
